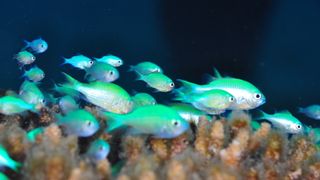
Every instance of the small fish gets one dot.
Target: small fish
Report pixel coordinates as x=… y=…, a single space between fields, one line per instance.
x=37 y=46
x=3 y=176
x=283 y=120
x=189 y=113
x=107 y=96
x=213 y=102
x=157 y=120
x=34 y=74
x=5 y=160
x=312 y=111
x=143 y=99
x=146 y=68
x=98 y=150
x=247 y=95
x=79 y=122
x=67 y=104
x=24 y=58
x=10 y=105
x=79 y=61
x=111 y=60
x=100 y=71
x=30 y=93
x=32 y=135
x=158 y=81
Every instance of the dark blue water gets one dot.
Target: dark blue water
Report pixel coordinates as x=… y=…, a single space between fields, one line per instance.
x=273 y=44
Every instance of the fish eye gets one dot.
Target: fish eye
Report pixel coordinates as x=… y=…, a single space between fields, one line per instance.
x=100 y=148
x=43 y=101
x=119 y=62
x=90 y=62
x=111 y=73
x=175 y=123
x=171 y=84
x=89 y=123
x=33 y=58
x=257 y=96
x=298 y=126
x=231 y=99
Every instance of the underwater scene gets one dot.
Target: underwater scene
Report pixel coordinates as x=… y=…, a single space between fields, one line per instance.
x=159 y=89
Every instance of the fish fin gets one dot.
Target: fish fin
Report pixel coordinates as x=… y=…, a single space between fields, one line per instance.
x=300 y=110
x=139 y=77
x=285 y=112
x=71 y=82
x=14 y=165
x=65 y=61
x=217 y=73
x=208 y=78
x=187 y=86
x=131 y=68
x=179 y=96
x=261 y=115
x=114 y=121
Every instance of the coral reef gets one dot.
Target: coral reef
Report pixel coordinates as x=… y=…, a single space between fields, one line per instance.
x=223 y=148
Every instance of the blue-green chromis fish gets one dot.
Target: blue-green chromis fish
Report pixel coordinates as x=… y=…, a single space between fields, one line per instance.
x=3 y=176
x=30 y=93
x=189 y=113
x=111 y=60
x=79 y=122
x=284 y=121
x=79 y=61
x=67 y=104
x=6 y=160
x=65 y=90
x=10 y=105
x=24 y=58
x=100 y=71
x=213 y=102
x=98 y=150
x=158 y=81
x=312 y=111
x=145 y=68
x=247 y=96
x=107 y=96
x=143 y=99
x=157 y=120
x=32 y=135
x=34 y=74
x=37 y=46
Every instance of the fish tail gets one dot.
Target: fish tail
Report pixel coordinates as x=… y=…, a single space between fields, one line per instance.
x=179 y=96
x=71 y=82
x=139 y=77
x=65 y=61
x=261 y=115
x=300 y=110
x=14 y=165
x=187 y=87
x=114 y=121
x=217 y=73
x=131 y=68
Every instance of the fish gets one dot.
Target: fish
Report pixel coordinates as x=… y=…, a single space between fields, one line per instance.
x=212 y=102
x=3 y=176
x=312 y=111
x=98 y=150
x=6 y=160
x=65 y=90
x=10 y=105
x=157 y=120
x=143 y=99
x=189 y=113
x=111 y=60
x=158 y=81
x=37 y=46
x=30 y=93
x=284 y=121
x=24 y=58
x=32 y=135
x=79 y=61
x=247 y=95
x=79 y=122
x=146 y=68
x=34 y=74
x=67 y=104
x=100 y=71
x=108 y=96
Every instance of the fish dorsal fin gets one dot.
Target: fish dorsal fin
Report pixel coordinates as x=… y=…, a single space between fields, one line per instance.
x=217 y=73
x=285 y=112
x=208 y=78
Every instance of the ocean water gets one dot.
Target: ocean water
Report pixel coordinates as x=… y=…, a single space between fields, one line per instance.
x=272 y=44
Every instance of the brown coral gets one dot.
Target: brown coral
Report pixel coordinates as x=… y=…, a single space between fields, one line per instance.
x=275 y=146
x=217 y=137
x=133 y=147
x=201 y=144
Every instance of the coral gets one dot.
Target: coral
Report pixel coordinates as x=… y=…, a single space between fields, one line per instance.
x=160 y=148
x=133 y=147
x=217 y=138
x=275 y=146
x=232 y=154
x=201 y=144
x=176 y=171
x=302 y=149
